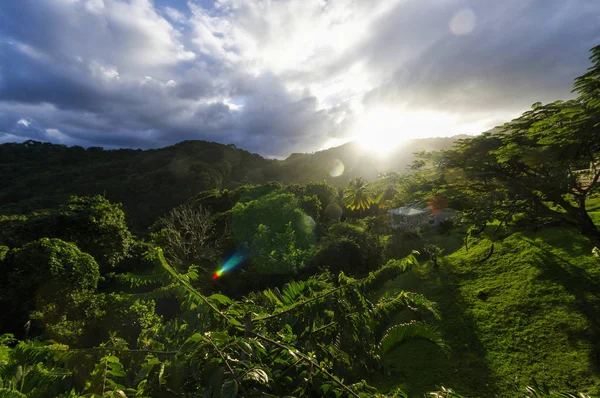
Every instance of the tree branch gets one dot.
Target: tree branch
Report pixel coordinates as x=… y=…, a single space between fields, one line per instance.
x=224 y=360
x=190 y=288
x=306 y=358
x=113 y=349
x=296 y=306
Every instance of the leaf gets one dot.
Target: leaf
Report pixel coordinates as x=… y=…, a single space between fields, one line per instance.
x=229 y=389
x=219 y=338
x=273 y=299
x=192 y=341
x=220 y=298
x=399 y=334
x=7 y=393
x=257 y=375
x=117 y=372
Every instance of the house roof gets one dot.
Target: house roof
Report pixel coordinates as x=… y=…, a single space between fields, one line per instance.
x=412 y=210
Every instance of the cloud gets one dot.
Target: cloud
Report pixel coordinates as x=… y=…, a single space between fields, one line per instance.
x=277 y=77
x=515 y=54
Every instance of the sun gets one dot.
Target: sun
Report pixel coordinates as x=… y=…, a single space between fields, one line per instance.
x=384 y=129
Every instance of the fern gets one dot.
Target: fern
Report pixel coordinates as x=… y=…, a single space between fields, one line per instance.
x=8 y=393
x=419 y=301
x=390 y=271
x=403 y=332
x=134 y=280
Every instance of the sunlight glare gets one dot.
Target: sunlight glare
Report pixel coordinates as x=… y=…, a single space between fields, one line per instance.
x=383 y=130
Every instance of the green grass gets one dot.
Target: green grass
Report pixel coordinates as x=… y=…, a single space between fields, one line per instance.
x=593 y=208
x=532 y=310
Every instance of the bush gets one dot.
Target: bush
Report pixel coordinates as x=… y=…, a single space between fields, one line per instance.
x=97 y=226
x=401 y=243
x=446 y=226
x=94 y=224
x=45 y=275
x=136 y=259
x=349 y=248
x=274 y=234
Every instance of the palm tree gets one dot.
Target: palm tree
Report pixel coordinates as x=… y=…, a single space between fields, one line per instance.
x=357 y=195
x=387 y=189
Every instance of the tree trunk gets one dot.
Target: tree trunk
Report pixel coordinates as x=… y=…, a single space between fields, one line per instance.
x=590 y=230
x=586 y=226
x=579 y=218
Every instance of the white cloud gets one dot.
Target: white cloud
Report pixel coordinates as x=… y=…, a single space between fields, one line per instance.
x=104 y=72
x=277 y=76
x=175 y=15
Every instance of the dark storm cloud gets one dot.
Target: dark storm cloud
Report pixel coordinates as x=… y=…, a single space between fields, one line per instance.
x=137 y=73
x=518 y=53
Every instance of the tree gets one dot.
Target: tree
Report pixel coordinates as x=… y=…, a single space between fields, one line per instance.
x=187 y=236
x=357 y=195
x=94 y=224
x=44 y=275
x=97 y=226
x=532 y=166
x=270 y=230
x=434 y=252
x=349 y=248
x=325 y=192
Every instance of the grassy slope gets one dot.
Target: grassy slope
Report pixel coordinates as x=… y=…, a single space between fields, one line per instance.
x=531 y=310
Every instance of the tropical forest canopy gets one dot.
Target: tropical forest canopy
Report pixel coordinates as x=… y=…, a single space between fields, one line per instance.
x=204 y=270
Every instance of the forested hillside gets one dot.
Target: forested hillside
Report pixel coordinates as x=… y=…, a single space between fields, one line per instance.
x=35 y=175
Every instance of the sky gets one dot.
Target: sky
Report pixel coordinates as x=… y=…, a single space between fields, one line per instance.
x=282 y=76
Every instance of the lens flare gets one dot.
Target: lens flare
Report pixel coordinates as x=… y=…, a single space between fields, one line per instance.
x=336 y=168
x=232 y=262
x=333 y=211
x=437 y=204
x=463 y=22
x=307 y=224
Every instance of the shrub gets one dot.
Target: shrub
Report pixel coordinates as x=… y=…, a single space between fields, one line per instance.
x=97 y=226
x=275 y=234
x=46 y=275
x=349 y=248
x=94 y=224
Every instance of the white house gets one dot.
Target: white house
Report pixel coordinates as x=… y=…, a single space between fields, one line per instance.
x=417 y=215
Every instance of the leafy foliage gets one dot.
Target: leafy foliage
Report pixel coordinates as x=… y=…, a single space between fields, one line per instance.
x=45 y=275
x=543 y=164
x=94 y=224
x=349 y=248
x=276 y=343
x=275 y=233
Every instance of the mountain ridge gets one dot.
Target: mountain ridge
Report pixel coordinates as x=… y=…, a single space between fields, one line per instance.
x=36 y=175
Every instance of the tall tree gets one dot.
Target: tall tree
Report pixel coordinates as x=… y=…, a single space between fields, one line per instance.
x=544 y=163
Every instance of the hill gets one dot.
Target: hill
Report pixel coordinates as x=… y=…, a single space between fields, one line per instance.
x=35 y=175
x=303 y=168
x=530 y=311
